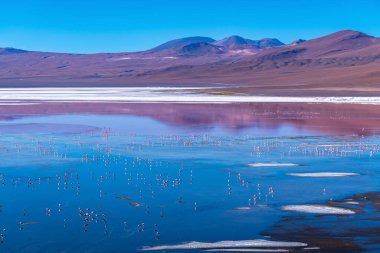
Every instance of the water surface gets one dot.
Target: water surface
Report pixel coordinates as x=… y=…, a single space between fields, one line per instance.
x=118 y=177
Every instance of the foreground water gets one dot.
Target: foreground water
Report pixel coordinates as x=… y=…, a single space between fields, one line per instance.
x=90 y=182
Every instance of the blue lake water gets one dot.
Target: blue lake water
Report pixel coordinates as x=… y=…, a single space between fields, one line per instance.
x=88 y=182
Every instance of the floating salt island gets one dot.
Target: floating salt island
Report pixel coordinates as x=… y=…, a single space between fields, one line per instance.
x=136 y=204
x=352 y=203
x=247 y=208
x=258 y=245
x=323 y=174
x=272 y=164
x=247 y=250
x=318 y=209
x=243 y=208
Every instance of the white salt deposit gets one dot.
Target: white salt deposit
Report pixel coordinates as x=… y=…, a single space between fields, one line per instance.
x=352 y=203
x=225 y=245
x=272 y=164
x=323 y=174
x=243 y=208
x=317 y=209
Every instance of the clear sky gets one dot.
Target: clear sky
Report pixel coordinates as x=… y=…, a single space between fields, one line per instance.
x=128 y=25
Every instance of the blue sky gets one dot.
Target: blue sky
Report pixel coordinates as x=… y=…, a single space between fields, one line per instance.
x=128 y=25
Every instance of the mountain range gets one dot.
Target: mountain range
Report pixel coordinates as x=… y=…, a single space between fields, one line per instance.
x=346 y=62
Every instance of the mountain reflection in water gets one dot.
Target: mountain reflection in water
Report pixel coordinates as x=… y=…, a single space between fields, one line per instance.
x=322 y=118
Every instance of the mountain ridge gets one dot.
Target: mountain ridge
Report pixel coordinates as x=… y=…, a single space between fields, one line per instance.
x=340 y=61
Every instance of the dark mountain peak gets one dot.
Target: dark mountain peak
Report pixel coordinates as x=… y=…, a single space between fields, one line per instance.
x=199 y=49
x=240 y=42
x=10 y=50
x=269 y=42
x=182 y=42
x=232 y=40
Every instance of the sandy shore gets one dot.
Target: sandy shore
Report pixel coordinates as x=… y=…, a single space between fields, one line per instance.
x=158 y=95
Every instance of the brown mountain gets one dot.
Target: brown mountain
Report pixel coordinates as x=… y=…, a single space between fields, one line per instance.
x=344 y=63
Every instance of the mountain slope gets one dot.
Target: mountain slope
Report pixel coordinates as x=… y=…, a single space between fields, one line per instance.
x=297 y=42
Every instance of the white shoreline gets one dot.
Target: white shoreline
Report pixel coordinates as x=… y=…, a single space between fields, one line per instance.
x=159 y=95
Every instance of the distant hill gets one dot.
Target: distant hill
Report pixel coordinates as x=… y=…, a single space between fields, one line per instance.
x=9 y=50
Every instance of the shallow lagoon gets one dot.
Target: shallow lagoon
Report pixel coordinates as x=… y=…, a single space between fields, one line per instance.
x=84 y=181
